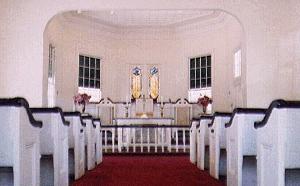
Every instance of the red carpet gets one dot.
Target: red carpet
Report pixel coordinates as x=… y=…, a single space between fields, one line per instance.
x=146 y=171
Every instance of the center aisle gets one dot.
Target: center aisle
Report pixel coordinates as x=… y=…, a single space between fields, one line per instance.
x=145 y=171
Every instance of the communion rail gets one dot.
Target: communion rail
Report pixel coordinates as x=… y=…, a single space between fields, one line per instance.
x=145 y=138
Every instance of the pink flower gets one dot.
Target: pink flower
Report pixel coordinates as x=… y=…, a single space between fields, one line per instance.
x=81 y=98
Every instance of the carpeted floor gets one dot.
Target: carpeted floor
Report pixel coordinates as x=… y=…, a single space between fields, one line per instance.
x=146 y=171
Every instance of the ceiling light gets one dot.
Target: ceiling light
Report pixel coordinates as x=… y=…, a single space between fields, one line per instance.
x=79 y=11
x=112 y=12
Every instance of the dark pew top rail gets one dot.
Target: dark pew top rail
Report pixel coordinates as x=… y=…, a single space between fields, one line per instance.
x=216 y=114
x=244 y=111
x=96 y=120
x=145 y=126
x=51 y=110
x=21 y=102
x=279 y=104
x=89 y=117
x=201 y=118
x=76 y=113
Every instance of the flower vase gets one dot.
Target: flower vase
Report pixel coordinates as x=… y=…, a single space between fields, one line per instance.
x=80 y=108
x=204 y=109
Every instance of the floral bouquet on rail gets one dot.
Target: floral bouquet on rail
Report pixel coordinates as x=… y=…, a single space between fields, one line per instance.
x=81 y=99
x=204 y=101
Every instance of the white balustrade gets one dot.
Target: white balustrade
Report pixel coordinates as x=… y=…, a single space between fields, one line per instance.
x=145 y=138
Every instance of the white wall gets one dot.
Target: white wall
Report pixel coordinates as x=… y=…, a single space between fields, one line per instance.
x=265 y=25
x=168 y=48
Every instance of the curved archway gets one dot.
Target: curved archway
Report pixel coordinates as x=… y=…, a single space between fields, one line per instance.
x=189 y=34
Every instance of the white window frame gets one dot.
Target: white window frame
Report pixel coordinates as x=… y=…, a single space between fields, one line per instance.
x=238 y=63
x=94 y=92
x=51 y=94
x=200 y=78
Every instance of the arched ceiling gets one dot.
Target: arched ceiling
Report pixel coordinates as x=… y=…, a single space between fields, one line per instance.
x=146 y=18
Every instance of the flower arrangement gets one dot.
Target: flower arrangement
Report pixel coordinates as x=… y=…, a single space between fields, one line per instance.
x=204 y=101
x=81 y=99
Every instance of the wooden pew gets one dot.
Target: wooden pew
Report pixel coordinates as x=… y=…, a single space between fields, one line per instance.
x=203 y=142
x=19 y=144
x=217 y=144
x=241 y=146
x=89 y=142
x=98 y=140
x=76 y=145
x=278 y=144
x=53 y=146
x=193 y=140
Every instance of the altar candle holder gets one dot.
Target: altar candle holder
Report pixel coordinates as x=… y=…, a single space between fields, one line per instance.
x=161 y=109
x=126 y=112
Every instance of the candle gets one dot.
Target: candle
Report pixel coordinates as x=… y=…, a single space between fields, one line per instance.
x=161 y=99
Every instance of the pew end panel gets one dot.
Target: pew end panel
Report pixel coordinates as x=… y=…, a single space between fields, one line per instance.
x=193 y=141
x=203 y=142
x=76 y=143
x=278 y=141
x=90 y=143
x=217 y=146
x=20 y=143
x=241 y=147
x=54 y=142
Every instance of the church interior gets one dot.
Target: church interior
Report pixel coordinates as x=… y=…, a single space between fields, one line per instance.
x=201 y=92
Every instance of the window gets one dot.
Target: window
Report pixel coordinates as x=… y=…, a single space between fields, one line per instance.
x=237 y=63
x=51 y=77
x=200 y=72
x=89 y=76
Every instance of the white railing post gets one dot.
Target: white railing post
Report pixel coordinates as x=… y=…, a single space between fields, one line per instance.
x=134 y=140
x=120 y=139
x=176 y=130
x=162 y=140
x=148 y=139
x=183 y=140
x=141 y=140
x=113 y=140
x=155 y=138
x=105 y=140
x=128 y=133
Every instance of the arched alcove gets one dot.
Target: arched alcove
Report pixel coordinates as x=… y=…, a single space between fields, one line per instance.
x=167 y=39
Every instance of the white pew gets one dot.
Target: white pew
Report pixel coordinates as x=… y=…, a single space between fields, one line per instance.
x=241 y=146
x=53 y=146
x=278 y=144
x=217 y=144
x=19 y=144
x=89 y=142
x=203 y=142
x=193 y=140
x=76 y=145
x=98 y=140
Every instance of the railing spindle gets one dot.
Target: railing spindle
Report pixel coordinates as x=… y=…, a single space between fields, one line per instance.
x=176 y=139
x=184 y=140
